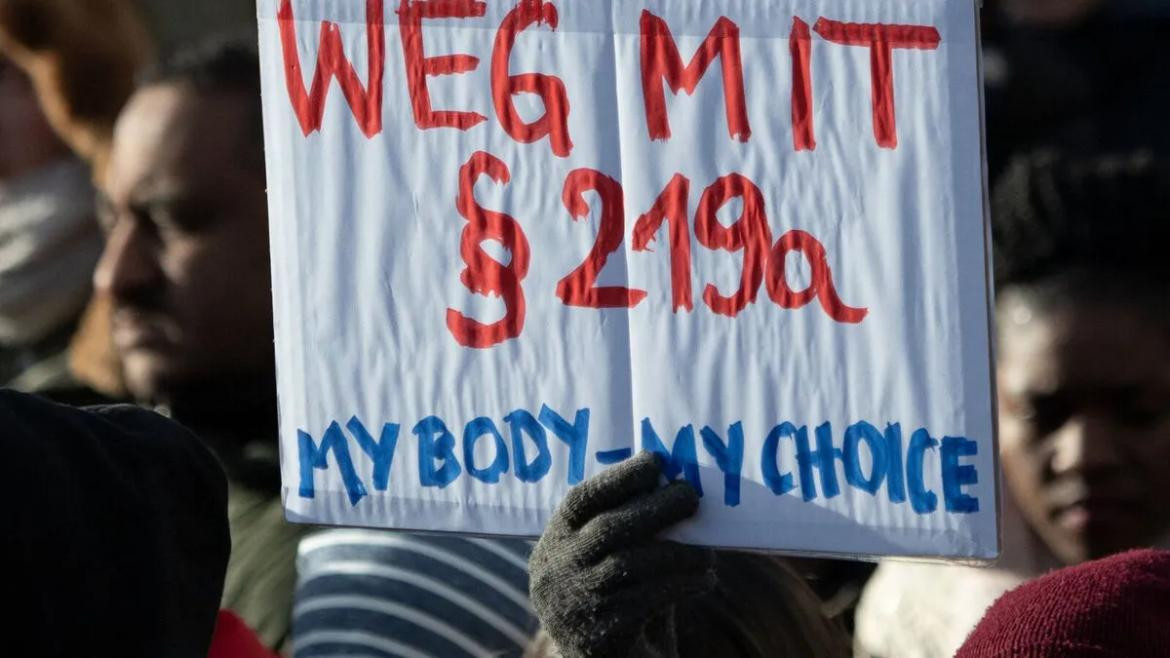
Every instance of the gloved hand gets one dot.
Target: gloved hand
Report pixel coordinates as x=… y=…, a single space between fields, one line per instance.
x=601 y=583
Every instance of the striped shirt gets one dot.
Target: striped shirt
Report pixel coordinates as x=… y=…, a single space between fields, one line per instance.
x=378 y=594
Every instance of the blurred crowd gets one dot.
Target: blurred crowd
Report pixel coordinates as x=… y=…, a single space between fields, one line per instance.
x=137 y=375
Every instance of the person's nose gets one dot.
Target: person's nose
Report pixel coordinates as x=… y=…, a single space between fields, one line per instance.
x=1084 y=444
x=128 y=263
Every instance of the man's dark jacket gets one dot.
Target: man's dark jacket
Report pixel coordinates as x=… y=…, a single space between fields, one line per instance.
x=116 y=536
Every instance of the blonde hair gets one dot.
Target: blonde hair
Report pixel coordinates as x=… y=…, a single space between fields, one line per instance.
x=760 y=608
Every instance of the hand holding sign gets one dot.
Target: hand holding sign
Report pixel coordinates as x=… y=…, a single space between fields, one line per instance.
x=599 y=573
x=604 y=584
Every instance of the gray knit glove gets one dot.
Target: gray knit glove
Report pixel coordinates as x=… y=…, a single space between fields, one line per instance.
x=601 y=583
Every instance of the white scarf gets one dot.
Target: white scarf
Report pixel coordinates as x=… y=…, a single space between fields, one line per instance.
x=49 y=245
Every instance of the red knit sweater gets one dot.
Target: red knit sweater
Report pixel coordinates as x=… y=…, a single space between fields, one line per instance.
x=1118 y=607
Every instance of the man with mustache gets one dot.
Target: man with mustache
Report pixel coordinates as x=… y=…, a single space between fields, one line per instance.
x=186 y=265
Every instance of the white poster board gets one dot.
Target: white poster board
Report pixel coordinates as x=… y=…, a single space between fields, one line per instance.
x=515 y=243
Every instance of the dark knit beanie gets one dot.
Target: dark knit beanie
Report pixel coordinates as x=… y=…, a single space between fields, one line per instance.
x=1118 y=607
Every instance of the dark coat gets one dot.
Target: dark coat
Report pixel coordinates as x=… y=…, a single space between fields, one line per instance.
x=116 y=535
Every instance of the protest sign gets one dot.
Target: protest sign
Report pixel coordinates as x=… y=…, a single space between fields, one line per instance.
x=516 y=242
